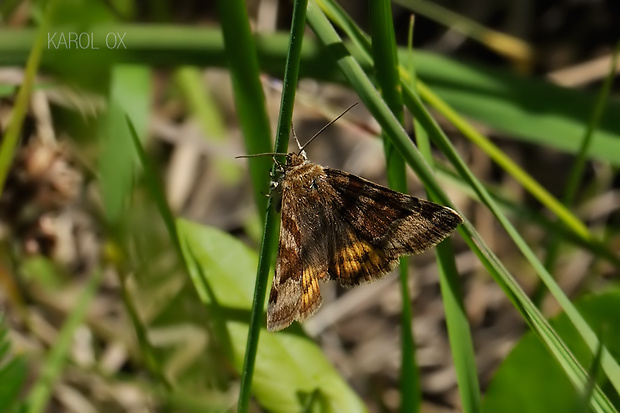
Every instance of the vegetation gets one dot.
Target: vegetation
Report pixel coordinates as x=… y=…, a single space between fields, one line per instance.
x=137 y=252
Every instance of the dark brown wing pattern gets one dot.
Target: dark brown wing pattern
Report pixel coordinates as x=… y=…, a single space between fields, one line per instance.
x=339 y=226
x=374 y=226
x=302 y=260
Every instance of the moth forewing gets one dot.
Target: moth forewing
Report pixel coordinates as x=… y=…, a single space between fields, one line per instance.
x=338 y=226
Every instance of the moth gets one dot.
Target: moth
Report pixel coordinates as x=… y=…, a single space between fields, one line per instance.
x=339 y=226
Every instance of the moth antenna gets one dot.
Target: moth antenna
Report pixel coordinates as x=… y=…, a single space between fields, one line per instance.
x=255 y=155
x=301 y=149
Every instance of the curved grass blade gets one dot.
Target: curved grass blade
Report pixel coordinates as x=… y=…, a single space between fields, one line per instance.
x=385 y=54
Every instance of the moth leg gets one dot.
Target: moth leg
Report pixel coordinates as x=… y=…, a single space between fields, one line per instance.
x=279 y=167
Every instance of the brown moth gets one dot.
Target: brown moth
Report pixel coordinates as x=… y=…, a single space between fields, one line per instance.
x=338 y=226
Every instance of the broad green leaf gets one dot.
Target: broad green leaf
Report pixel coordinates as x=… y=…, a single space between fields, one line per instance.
x=290 y=368
x=529 y=380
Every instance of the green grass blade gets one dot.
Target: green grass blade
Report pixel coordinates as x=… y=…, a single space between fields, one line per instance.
x=529 y=109
x=576 y=171
x=268 y=244
x=592 y=374
x=459 y=333
x=529 y=183
x=362 y=85
x=386 y=55
x=517 y=210
x=55 y=360
x=248 y=91
x=564 y=214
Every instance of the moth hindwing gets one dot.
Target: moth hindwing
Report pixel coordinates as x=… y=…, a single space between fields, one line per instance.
x=338 y=226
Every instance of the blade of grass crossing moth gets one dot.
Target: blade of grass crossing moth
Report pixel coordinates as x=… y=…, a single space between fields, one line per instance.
x=362 y=85
x=268 y=245
x=385 y=55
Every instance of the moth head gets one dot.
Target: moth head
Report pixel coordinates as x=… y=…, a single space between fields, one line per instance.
x=295 y=159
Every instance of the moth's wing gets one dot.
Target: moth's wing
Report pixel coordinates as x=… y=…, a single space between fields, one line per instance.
x=353 y=259
x=302 y=260
x=374 y=226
